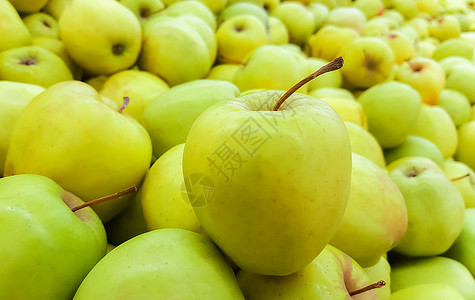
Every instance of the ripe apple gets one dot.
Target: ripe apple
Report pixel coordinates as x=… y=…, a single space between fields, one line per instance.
x=415 y=146
x=402 y=46
x=243 y=8
x=194 y=8
x=41 y=24
x=329 y=40
x=69 y=134
x=433 y=291
x=12 y=29
x=464 y=179
x=143 y=9
x=224 y=72
x=456 y=104
x=277 y=32
x=161 y=264
x=105 y=44
x=381 y=271
x=36 y=215
x=320 y=12
x=453 y=47
x=407 y=8
x=462 y=249
x=28 y=6
x=33 y=64
x=332 y=92
x=392 y=108
x=451 y=62
x=466 y=144
x=331 y=275
x=55 y=7
x=348 y=110
x=365 y=144
x=427 y=7
x=444 y=27
x=298 y=19
x=347 y=16
x=370 y=8
x=459 y=78
x=434 y=205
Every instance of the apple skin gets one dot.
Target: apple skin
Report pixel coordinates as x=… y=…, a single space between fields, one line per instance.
x=298 y=19
x=143 y=9
x=435 y=207
x=278 y=33
x=466 y=144
x=348 y=110
x=28 y=6
x=459 y=78
x=252 y=201
x=224 y=72
x=48 y=249
x=392 y=108
x=70 y=123
x=331 y=275
x=381 y=271
x=456 y=104
x=433 y=291
x=113 y=48
x=162 y=264
x=41 y=24
x=365 y=144
x=329 y=40
x=12 y=29
x=194 y=8
x=455 y=171
x=433 y=270
x=453 y=47
x=347 y=16
x=415 y=146
x=244 y=8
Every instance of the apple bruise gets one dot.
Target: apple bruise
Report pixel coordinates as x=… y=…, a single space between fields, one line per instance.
x=413 y=172
x=118 y=49
x=28 y=61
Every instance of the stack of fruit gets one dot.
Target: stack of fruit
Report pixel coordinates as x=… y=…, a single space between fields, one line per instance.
x=164 y=149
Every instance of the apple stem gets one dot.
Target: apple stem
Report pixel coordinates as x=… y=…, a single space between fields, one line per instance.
x=125 y=102
x=370 y=287
x=105 y=198
x=460 y=177
x=335 y=64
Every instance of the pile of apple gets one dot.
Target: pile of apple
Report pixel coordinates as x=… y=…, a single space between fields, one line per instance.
x=164 y=149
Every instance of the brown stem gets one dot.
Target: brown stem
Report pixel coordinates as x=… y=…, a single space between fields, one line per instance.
x=125 y=102
x=460 y=177
x=376 y=285
x=105 y=198
x=335 y=64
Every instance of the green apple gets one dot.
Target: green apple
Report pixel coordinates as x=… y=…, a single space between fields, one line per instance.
x=370 y=8
x=368 y=61
x=376 y=27
x=462 y=249
x=376 y=199
x=402 y=46
x=320 y=12
x=348 y=110
x=224 y=72
x=392 y=108
x=14 y=96
x=277 y=33
x=435 y=124
x=194 y=8
x=381 y=271
x=456 y=104
x=251 y=150
x=425 y=75
x=243 y=8
x=108 y=42
x=164 y=200
x=41 y=24
x=170 y=116
x=331 y=275
x=428 y=8
x=365 y=144
x=12 y=29
x=143 y=9
x=270 y=67
x=216 y=6
x=69 y=134
x=162 y=264
x=459 y=78
x=140 y=86
x=420 y=24
x=433 y=270
x=55 y=7
x=464 y=179
x=48 y=249
x=298 y=19
x=97 y=81
x=444 y=27
x=33 y=64
x=433 y=291
x=407 y=8
x=453 y=47
x=238 y=36
x=415 y=146
x=329 y=40
x=466 y=144
x=347 y=16
x=394 y=15
x=434 y=205
x=333 y=79
x=258 y=2
x=167 y=51
x=28 y=6
x=451 y=62
x=424 y=49
x=331 y=92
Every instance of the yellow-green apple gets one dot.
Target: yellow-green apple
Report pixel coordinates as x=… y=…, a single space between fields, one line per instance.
x=391 y=108
x=415 y=146
x=270 y=67
x=407 y=8
x=174 y=50
x=347 y=16
x=57 y=47
x=381 y=271
x=140 y=86
x=348 y=110
x=251 y=161
x=320 y=12
x=194 y=8
x=425 y=75
x=394 y=15
x=258 y=2
x=244 y=8
x=28 y=6
x=36 y=215
x=451 y=62
x=444 y=27
x=420 y=25
x=402 y=46
x=433 y=291
x=424 y=49
x=462 y=249
x=97 y=81
x=368 y=61
x=270 y=5
x=376 y=27
x=434 y=205
x=435 y=124
x=12 y=28
x=277 y=32
x=165 y=202
x=69 y=134
x=170 y=116
x=216 y=6
x=238 y=36
x=162 y=264
x=370 y=8
x=329 y=40
x=459 y=78
x=108 y=43
x=33 y=64
x=453 y=47
x=464 y=179
x=332 y=92
x=14 y=96
x=223 y=72
x=466 y=144
x=41 y=24
x=365 y=144
x=456 y=104
x=55 y=7
x=298 y=19
x=428 y=8
x=332 y=275
x=464 y=22
x=333 y=79
x=375 y=198
x=143 y=9
x=433 y=270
